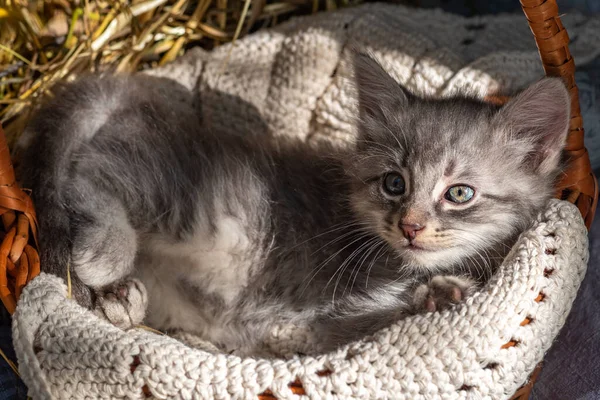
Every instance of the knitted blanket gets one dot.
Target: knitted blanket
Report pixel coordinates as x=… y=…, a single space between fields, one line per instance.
x=484 y=348
x=293 y=81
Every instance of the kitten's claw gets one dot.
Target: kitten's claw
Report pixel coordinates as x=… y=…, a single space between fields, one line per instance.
x=442 y=292
x=123 y=304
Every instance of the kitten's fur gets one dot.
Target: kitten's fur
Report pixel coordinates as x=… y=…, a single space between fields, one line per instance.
x=232 y=236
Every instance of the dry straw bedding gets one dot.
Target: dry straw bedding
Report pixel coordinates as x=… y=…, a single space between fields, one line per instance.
x=43 y=42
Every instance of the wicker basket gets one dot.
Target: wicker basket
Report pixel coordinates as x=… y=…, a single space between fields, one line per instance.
x=19 y=262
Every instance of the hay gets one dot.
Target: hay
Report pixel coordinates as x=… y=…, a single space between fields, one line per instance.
x=43 y=42
x=10 y=363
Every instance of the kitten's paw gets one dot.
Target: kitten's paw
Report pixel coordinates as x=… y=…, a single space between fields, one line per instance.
x=441 y=292
x=123 y=304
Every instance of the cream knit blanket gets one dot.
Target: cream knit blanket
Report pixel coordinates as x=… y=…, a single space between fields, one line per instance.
x=290 y=81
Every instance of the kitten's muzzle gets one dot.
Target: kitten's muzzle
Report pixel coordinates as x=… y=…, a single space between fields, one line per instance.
x=410 y=231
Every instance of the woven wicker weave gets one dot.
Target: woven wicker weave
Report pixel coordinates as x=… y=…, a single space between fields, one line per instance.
x=578 y=185
x=19 y=262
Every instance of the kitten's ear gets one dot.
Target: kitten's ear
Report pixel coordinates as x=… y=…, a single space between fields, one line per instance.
x=539 y=118
x=378 y=92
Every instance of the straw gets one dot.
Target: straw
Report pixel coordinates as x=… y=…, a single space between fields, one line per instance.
x=45 y=42
x=10 y=363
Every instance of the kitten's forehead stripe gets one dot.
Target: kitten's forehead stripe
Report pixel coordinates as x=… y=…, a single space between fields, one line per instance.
x=499 y=199
x=468 y=214
x=450 y=168
x=404 y=163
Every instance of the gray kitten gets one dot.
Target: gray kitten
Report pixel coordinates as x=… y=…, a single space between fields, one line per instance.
x=229 y=236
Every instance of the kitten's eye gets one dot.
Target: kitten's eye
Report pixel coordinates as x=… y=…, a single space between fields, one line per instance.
x=394 y=184
x=459 y=194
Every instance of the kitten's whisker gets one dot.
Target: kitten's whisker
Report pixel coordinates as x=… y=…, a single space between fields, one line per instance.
x=403 y=273
x=376 y=155
x=336 y=227
x=361 y=262
x=345 y=265
x=392 y=134
x=391 y=151
x=377 y=255
x=373 y=242
x=478 y=268
x=495 y=262
x=337 y=239
x=324 y=263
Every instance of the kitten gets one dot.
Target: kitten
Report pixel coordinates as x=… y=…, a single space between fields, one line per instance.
x=229 y=236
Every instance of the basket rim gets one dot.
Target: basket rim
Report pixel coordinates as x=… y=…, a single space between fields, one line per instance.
x=559 y=228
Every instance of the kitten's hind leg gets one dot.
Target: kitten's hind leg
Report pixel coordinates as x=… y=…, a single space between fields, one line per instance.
x=103 y=256
x=441 y=292
x=104 y=241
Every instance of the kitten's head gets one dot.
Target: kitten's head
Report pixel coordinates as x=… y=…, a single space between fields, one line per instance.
x=444 y=180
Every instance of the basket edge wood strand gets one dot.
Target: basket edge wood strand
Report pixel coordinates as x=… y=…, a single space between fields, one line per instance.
x=578 y=183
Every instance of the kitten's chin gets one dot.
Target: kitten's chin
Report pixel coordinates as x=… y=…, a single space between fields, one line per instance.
x=428 y=259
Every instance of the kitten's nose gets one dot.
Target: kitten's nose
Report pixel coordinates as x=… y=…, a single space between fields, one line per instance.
x=410 y=230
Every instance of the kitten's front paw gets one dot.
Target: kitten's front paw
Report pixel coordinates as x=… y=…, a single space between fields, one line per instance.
x=441 y=292
x=123 y=304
